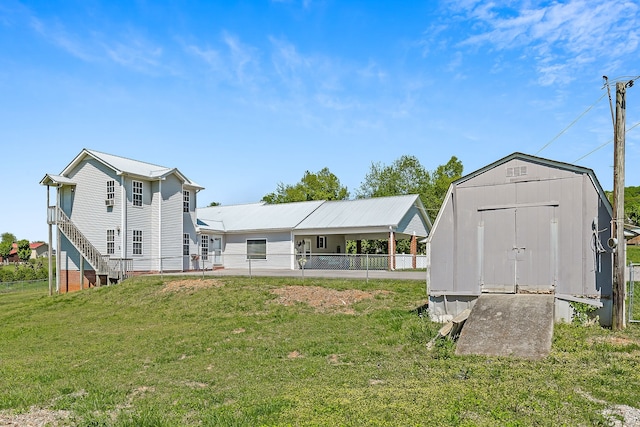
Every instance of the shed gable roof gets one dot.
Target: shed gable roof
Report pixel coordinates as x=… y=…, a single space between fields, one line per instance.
x=528 y=158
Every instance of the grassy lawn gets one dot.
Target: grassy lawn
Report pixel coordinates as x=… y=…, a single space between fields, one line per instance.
x=242 y=352
x=633 y=254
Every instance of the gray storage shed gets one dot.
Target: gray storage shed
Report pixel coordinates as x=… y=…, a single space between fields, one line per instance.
x=522 y=224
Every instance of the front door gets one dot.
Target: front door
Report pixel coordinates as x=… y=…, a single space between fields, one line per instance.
x=518 y=249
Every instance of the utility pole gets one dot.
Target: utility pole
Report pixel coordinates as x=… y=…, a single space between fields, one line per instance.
x=619 y=257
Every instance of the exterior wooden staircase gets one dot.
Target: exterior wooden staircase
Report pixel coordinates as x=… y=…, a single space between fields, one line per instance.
x=105 y=272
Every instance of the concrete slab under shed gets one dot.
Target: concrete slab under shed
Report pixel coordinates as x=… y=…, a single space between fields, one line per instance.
x=519 y=325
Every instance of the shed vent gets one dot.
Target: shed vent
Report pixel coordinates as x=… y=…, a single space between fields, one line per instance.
x=517 y=171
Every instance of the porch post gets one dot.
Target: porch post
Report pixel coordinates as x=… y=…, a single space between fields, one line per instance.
x=50 y=250
x=414 y=250
x=392 y=250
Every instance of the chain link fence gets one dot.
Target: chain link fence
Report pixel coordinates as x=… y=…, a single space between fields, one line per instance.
x=24 y=285
x=328 y=265
x=633 y=300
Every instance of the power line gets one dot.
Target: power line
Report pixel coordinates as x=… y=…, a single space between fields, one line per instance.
x=604 y=145
x=571 y=124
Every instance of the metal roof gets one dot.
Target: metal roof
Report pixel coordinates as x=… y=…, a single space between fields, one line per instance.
x=123 y=165
x=358 y=213
x=380 y=212
x=258 y=216
x=56 y=180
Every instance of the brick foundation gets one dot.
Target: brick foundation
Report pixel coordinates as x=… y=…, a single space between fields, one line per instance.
x=70 y=280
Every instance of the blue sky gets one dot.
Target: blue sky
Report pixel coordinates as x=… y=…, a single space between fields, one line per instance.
x=242 y=95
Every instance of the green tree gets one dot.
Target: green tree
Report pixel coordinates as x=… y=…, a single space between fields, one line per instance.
x=24 y=251
x=322 y=185
x=214 y=204
x=6 y=242
x=406 y=175
x=7 y=237
x=631 y=204
x=5 y=249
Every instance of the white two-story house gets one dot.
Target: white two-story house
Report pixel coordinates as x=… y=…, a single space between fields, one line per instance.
x=114 y=216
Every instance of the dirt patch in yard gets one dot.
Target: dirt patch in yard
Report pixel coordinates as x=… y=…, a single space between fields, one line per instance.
x=323 y=299
x=191 y=285
x=36 y=417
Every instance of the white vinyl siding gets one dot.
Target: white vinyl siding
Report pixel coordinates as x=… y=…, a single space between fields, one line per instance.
x=86 y=208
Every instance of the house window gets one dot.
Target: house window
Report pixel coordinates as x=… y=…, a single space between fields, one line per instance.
x=185 y=200
x=111 y=190
x=257 y=249
x=137 y=242
x=137 y=193
x=111 y=242
x=321 y=242
x=204 y=246
x=186 y=242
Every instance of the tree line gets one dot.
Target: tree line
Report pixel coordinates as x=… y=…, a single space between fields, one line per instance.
x=405 y=175
x=34 y=270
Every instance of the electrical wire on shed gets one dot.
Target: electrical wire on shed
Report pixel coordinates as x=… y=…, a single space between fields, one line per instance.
x=604 y=145
x=571 y=124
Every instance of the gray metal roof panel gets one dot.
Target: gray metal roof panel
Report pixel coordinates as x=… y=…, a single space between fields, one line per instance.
x=56 y=180
x=130 y=166
x=374 y=212
x=259 y=216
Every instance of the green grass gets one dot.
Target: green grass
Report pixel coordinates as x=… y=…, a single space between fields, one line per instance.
x=133 y=355
x=633 y=254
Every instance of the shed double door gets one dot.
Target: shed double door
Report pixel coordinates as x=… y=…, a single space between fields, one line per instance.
x=518 y=249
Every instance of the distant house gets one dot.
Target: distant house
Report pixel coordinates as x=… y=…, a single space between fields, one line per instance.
x=39 y=250
x=115 y=216
x=522 y=224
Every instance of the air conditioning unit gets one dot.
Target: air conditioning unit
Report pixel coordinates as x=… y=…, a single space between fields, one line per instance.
x=110 y=202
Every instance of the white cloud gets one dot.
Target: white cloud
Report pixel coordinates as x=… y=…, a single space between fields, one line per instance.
x=57 y=35
x=564 y=35
x=129 y=50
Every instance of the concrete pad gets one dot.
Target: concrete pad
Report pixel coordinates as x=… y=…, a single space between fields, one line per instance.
x=519 y=325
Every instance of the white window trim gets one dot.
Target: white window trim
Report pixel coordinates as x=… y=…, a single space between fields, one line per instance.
x=111 y=189
x=134 y=193
x=186 y=201
x=204 y=247
x=186 y=244
x=135 y=242
x=111 y=242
